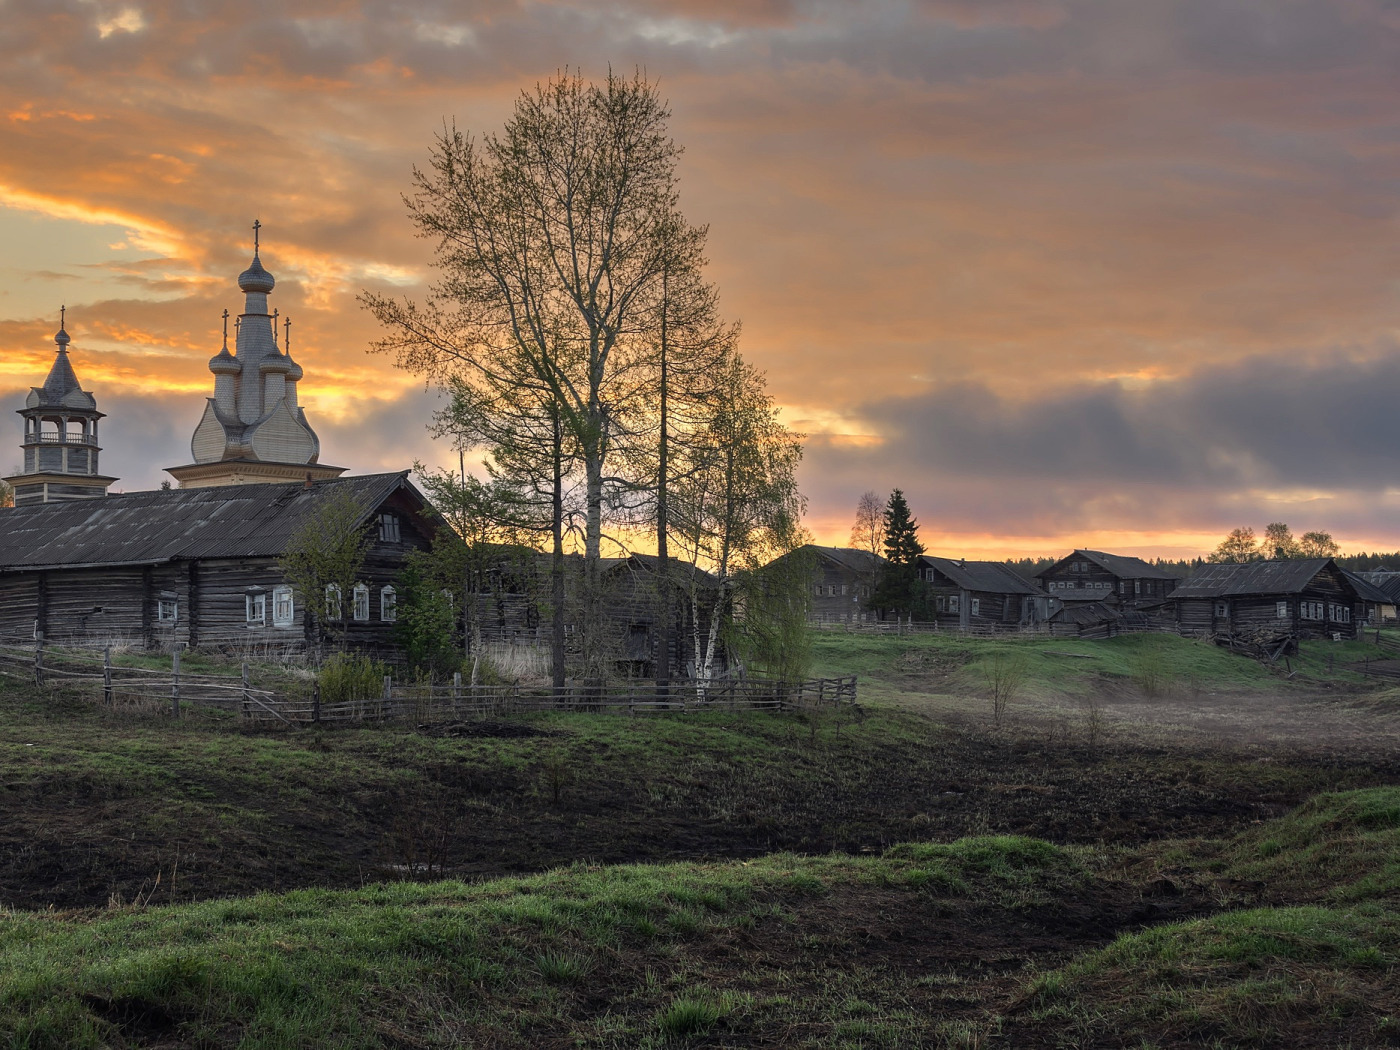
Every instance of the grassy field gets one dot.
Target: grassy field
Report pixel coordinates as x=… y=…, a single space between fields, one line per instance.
x=919 y=872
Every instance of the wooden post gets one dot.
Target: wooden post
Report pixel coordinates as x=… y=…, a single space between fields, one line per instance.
x=247 y=698
x=316 y=701
x=456 y=689
x=175 y=683
x=38 y=657
x=107 y=697
x=388 y=695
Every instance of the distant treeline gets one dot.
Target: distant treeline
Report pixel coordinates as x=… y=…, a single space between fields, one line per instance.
x=1183 y=567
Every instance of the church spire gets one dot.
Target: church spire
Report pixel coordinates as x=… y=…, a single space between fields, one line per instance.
x=60 y=435
x=253 y=429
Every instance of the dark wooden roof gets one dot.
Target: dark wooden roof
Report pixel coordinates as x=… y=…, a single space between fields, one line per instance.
x=990 y=577
x=1387 y=582
x=145 y=528
x=1121 y=565
x=1255 y=578
x=848 y=557
x=1368 y=591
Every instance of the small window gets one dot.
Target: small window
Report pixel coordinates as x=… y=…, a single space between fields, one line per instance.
x=843 y=590
x=333 y=606
x=389 y=528
x=1137 y=586
x=1281 y=610
x=256 y=607
x=1222 y=609
x=283 y=608
x=976 y=606
x=168 y=610
x=954 y=603
x=388 y=604
x=361 y=595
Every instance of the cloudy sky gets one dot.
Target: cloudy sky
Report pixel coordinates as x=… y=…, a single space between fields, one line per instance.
x=1069 y=272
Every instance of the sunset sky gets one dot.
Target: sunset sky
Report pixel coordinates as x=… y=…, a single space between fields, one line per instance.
x=1068 y=272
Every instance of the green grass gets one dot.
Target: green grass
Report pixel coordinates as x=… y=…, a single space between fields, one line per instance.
x=1339 y=848
x=1316 y=974
x=960 y=664
x=492 y=963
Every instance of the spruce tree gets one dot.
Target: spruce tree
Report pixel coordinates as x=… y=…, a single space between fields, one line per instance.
x=899 y=589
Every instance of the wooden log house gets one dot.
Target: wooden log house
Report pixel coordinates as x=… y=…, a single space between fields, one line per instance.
x=969 y=594
x=1116 y=580
x=841 y=580
x=513 y=607
x=198 y=567
x=1304 y=598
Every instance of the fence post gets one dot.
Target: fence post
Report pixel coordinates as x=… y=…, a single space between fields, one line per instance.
x=175 y=684
x=316 y=701
x=107 y=698
x=456 y=690
x=38 y=657
x=388 y=694
x=247 y=700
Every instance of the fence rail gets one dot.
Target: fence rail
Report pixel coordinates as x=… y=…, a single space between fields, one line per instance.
x=143 y=687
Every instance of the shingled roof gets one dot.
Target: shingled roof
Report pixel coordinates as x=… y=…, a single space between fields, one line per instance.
x=146 y=528
x=991 y=577
x=1255 y=577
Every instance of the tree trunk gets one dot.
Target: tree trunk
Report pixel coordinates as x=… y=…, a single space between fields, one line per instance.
x=663 y=618
x=556 y=570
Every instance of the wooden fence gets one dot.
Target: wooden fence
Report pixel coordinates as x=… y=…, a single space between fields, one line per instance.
x=145 y=689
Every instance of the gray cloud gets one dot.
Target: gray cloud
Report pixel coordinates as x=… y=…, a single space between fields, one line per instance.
x=1239 y=442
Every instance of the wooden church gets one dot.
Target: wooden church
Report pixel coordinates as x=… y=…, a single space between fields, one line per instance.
x=198 y=564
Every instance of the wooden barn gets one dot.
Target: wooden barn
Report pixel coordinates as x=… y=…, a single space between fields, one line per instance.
x=1117 y=580
x=1303 y=598
x=981 y=594
x=197 y=567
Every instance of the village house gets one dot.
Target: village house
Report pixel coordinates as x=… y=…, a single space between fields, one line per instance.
x=199 y=567
x=841 y=581
x=1302 y=598
x=981 y=594
x=513 y=607
x=1116 y=580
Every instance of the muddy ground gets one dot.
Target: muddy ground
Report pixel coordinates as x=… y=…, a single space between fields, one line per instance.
x=274 y=810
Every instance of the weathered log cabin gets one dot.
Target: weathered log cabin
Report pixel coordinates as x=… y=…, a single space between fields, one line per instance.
x=200 y=566
x=1302 y=598
x=969 y=594
x=1114 y=579
x=514 y=607
x=841 y=580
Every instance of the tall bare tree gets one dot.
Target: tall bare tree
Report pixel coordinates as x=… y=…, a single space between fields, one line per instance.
x=552 y=241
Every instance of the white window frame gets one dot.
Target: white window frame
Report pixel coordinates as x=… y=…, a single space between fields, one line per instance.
x=168 y=610
x=388 y=603
x=361 y=601
x=1280 y=610
x=976 y=606
x=389 y=528
x=284 y=607
x=255 y=608
x=335 y=608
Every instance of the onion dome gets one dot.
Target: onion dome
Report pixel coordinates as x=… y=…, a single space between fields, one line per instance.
x=225 y=364
x=62 y=338
x=294 y=373
x=275 y=362
x=255 y=278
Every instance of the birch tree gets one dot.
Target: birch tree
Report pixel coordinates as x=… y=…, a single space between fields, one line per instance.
x=736 y=498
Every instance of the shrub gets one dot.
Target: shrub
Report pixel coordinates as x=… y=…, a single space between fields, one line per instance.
x=350 y=676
